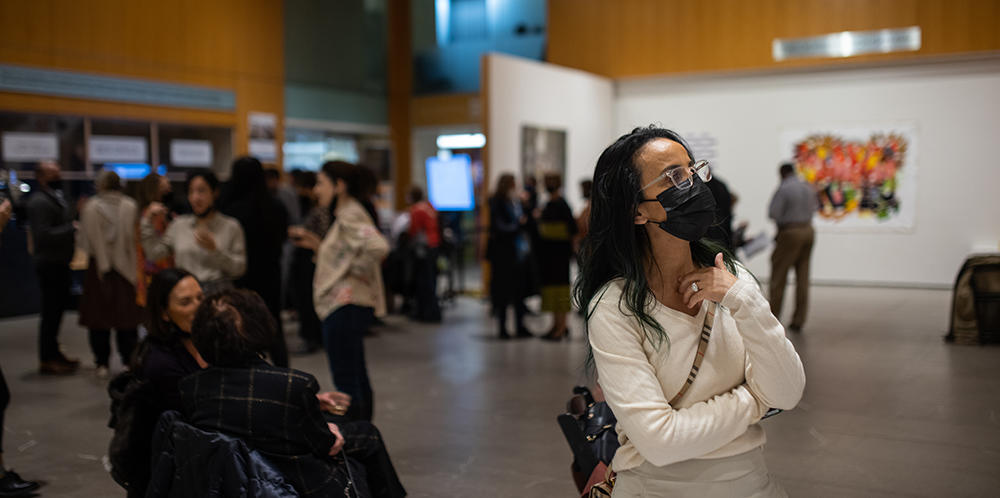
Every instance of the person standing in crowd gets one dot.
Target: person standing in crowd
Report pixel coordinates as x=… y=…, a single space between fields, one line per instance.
x=317 y=221
x=50 y=217
x=556 y=231
x=508 y=250
x=265 y=226
x=688 y=354
x=425 y=239
x=792 y=209
x=108 y=223
x=721 y=230
x=529 y=206
x=283 y=193
x=289 y=199
x=347 y=288
x=206 y=243
x=11 y=484
x=152 y=189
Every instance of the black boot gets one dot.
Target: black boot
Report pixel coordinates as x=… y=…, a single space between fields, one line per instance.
x=11 y=484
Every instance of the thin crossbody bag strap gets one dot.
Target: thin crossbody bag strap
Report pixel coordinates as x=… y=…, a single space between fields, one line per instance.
x=706 y=333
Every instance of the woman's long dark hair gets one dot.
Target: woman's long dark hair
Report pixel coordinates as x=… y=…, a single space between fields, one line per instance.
x=157 y=301
x=347 y=173
x=615 y=247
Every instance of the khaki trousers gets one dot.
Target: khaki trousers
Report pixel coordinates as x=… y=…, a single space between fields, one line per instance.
x=792 y=249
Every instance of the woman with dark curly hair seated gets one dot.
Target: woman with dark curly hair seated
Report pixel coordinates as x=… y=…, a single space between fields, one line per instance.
x=275 y=410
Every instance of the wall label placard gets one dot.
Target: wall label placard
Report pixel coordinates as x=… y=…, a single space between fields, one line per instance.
x=185 y=152
x=114 y=149
x=23 y=146
x=848 y=44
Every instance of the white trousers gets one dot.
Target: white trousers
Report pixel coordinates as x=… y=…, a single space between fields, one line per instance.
x=743 y=475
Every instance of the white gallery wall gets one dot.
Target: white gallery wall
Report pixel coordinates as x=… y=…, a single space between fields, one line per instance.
x=527 y=92
x=955 y=107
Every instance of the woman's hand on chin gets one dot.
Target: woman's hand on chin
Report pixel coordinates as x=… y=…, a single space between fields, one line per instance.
x=710 y=283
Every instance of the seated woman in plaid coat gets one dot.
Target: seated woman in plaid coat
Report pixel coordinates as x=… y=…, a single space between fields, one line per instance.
x=275 y=410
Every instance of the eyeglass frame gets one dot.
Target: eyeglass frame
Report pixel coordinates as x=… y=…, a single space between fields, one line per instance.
x=693 y=166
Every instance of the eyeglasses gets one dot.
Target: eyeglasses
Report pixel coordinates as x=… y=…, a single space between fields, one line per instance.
x=681 y=177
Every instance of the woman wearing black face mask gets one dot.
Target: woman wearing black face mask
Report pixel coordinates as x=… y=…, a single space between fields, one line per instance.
x=688 y=354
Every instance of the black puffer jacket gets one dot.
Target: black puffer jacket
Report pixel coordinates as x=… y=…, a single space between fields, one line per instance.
x=191 y=463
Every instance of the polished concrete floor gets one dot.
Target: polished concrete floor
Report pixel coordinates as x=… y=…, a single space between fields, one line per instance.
x=889 y=409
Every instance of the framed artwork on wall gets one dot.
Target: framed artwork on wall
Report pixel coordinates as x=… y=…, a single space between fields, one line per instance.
x=865 y=176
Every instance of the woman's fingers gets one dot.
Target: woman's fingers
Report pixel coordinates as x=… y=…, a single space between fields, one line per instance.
x=696 y=298
x=687 y=293
x=693 y=277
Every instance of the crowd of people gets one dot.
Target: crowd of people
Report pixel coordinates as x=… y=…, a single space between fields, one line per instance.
x=206 y=280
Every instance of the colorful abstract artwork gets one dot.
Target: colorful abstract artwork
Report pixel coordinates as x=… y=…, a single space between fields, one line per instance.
x=864 y=177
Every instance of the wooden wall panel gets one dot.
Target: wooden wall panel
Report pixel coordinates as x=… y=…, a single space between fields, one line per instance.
x=443 y=110
x=232 y=44
x=644 y=37
x=400 y=74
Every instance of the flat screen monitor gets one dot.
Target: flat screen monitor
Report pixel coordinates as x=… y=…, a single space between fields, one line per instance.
x=449 y=183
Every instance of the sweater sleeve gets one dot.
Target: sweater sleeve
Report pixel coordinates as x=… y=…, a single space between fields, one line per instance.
x=154 y=246
x=231 y=259
x=774 y=372
x=366 y=245
x=662 y=434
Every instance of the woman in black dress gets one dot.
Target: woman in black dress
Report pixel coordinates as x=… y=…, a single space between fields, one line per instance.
x=556 y=231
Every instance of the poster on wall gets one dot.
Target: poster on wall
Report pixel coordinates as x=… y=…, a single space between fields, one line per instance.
x=116 y=149
x=703 y=145
x=865 y=176
x=29 y=146
x=196 y=153
x=542 y=151
x=263 y=144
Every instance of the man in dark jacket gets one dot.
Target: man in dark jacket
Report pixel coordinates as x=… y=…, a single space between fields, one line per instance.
x=52 y=234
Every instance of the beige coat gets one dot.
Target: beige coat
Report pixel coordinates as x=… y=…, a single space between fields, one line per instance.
x=107 y=233
x=349 y=263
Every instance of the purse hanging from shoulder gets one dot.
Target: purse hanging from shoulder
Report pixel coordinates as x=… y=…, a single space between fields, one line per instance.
x=604 y=489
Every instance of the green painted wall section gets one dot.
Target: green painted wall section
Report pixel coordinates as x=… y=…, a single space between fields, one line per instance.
x=331 y=104
x=335 y=60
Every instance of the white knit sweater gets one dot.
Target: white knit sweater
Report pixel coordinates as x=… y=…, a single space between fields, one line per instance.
x=748 y=367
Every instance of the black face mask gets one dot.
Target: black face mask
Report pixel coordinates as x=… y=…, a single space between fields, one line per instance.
x=689 y=212
x=55 y=184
